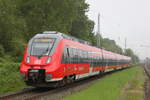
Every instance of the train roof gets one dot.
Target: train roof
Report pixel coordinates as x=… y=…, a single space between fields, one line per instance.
x=55 y=34
x=59 y=35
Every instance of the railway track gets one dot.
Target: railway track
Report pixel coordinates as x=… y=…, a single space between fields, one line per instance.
x=147 y=82
x=53 y=93
x=147 y=70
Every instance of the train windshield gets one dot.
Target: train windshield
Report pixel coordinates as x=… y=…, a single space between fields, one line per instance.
x=41 y=47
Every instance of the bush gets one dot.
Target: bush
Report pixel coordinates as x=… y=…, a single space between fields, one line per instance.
x=7 y=59
x=2 y=60
x=10 y=80
x=17 y=49
x=1 y=51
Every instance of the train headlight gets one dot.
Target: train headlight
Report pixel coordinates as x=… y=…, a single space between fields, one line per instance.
x=48 y=77
x=48 y=60
x=23 y=76
x=28 y=60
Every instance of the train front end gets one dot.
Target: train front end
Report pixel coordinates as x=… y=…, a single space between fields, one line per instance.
x=41 y=61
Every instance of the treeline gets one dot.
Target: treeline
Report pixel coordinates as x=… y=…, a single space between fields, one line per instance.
x=22 y=19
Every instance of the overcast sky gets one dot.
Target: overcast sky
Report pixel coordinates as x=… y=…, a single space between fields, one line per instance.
x=122 y=19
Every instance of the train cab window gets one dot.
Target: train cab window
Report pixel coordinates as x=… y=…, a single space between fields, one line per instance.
x=41 y=46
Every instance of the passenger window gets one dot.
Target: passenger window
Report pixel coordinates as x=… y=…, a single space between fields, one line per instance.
x=68 y=55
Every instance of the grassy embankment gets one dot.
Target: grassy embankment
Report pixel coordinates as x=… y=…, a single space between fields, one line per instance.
x=10 y=80
x=123 y=85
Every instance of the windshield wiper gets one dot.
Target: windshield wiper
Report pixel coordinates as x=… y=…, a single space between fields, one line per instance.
x=39 y=56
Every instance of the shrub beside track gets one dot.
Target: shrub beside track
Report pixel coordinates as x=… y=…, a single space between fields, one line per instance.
x=10 y=80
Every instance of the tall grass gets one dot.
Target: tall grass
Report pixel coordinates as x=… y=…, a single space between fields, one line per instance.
x=108 y=88
x=10 y=78
x=134 y=89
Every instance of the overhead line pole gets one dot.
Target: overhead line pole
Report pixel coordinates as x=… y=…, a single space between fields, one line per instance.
x=99 y=43
x=125 y=45
x=98 y=31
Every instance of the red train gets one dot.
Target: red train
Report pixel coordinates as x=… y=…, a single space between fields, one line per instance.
x=52 y=58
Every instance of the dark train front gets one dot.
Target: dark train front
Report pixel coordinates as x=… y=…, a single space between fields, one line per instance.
x=40 y=64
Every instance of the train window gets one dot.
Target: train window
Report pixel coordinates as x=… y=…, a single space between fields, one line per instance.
x=79 y=55
x=91 y=60
x=42 y=46
x=75 y=51
x=89 y=57
x=94 y=61
x=71 y=53
x=108 y=62
x=86 y=54
x=65 y=55
x=98 y=61
x=68 y=55
x=113 y=62
x=83 y=56
x=104 y=62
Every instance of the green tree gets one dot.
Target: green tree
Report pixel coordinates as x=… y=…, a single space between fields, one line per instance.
x=21 y=19
x=129 y=52
x=1 y=51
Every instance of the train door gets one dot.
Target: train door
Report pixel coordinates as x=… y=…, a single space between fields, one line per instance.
x=66 y=60
x=69 y=60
